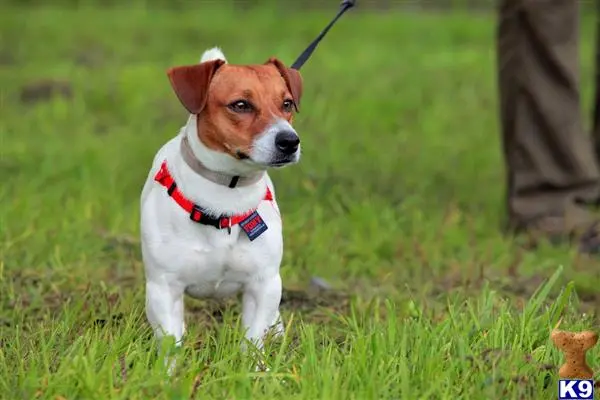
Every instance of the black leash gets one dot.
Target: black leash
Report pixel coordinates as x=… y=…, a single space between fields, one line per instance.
x=346 y=4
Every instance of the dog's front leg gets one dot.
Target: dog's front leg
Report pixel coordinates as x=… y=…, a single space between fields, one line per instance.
x=164 y=310
x=261 y=308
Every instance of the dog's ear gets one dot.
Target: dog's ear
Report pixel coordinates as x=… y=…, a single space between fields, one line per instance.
x=292 y=78
x=191 y=82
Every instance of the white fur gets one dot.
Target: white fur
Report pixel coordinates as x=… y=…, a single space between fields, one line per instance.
x=264 y=150
x=183 y=257
x=213 y=54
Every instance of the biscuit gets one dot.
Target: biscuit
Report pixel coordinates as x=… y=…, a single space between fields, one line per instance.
x=574 y=345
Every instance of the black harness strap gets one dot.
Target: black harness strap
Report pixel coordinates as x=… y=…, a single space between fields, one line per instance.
x=346 y=4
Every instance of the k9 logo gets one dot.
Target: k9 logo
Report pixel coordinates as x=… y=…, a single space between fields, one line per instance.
x=575 y=389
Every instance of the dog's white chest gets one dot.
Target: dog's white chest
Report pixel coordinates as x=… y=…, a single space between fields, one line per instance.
x=204 y=261
x=222 y=271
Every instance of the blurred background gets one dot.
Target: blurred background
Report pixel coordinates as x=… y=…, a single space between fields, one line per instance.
x=399 y=196
x=401 y=182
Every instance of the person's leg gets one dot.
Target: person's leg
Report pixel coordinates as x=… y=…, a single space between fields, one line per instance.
x=550 y=161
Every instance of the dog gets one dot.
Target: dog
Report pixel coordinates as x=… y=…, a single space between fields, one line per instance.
x=209 y=219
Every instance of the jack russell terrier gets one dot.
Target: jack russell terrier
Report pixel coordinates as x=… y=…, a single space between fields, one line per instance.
x=210 y=224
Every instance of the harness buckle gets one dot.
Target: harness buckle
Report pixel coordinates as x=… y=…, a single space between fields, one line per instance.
x=198 y=215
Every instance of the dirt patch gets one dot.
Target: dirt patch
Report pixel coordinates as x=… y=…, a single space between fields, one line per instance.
x=114 y=319
x=92 y=57
x=8 y=166
x=312 y=305
x=488 y=359
x=102 y=307
x=7 y=58
x=128 y=242
x=45 y=90
x=513 y=283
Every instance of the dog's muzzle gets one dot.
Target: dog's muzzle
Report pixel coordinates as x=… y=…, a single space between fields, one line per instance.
x=287 y=142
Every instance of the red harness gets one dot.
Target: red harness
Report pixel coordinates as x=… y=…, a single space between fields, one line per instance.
x=197 y=213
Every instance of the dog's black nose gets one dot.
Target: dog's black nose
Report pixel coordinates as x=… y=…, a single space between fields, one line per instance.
x=287 y=142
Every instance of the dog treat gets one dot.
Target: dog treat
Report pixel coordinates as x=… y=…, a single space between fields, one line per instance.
x=574 y=345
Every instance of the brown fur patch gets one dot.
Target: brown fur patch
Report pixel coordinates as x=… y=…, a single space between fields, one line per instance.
x=263 y=86
x=191 y=83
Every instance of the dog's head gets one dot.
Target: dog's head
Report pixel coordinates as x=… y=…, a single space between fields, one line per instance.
x=244 y=111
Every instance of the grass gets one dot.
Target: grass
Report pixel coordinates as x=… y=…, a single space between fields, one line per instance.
x=397 y=204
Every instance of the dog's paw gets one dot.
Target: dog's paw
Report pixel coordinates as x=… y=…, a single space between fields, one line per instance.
x=277 y=330
x=261 y=366
x=170 y=365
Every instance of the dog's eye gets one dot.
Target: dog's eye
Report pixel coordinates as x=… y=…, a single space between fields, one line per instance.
x=240 y=106
x=288 y=105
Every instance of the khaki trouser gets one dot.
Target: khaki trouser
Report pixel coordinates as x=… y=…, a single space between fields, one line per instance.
x=551 y=163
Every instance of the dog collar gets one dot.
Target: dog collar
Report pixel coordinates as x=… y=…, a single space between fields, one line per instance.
x=250 y=221
x=213 y=176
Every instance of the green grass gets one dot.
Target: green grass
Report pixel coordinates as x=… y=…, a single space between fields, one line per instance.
x=397 y=203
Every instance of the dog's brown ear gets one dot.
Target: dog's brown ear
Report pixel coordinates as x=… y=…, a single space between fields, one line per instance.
x=190 y=83
x=292 y=78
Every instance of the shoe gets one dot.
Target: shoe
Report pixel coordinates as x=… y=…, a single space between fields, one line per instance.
x=577 y=227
